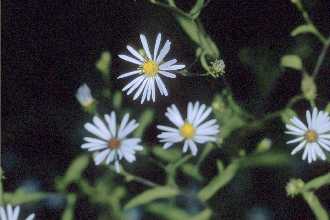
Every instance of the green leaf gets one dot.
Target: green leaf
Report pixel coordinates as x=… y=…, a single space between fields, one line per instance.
x=190 y=27
x=308 y=87
x=103 y=65
x=151 y=195
x=144 y=121
x=196 y=10
x=304 y=29
x=167 y=211
x=292 y=61
x=169 y=155
x=317 y=208
x=191 y=170
x=219 y=181
x=21 y=197
x=68 y=213
x=318 y=182
x=117 y=100
x=287 y=114
x=204 y=215
x=74 y=172
x=327 y=108
x=228 y=113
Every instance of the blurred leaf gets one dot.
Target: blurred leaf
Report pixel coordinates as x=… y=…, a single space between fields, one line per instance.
x=292 y=61
x=196 y=10
x=317 y=208
x=268 y=159
x=21 y=197
x=304 y=29
x=68 y=213
x=219 y=181
x=144 y=121
x=192 y=170
x=263 y=63
x=220 y=166
x=151 y=195
x=308 y=87
x=167 y=211
x=204 y=215
x=103 y=65
x=228 y=113
x=74 y=172
x=190 y=27
x=264 y=145
x=169 y=155
x=318 y=182
x=327 y=108
x=117 y=100
x=287 y=114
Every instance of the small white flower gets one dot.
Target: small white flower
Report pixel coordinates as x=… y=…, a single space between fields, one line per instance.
x=11 y=213
x=314 y=137
x=150 y=68
x=192 y=129
x=111 y=143
x=84 y=95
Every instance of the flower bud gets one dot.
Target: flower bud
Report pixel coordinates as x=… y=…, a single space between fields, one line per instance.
x=294 y=187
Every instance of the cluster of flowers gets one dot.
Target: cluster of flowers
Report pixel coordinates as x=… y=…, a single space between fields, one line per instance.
x=112 y=145
x=112 y=142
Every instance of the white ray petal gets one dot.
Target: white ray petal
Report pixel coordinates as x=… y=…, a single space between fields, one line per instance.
x=145 y=46
x=130 y=59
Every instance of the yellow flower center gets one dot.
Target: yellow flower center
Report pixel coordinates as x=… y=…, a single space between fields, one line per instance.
x=311 y=136
x=150 y=68
x=187 y=130
x=113 y=143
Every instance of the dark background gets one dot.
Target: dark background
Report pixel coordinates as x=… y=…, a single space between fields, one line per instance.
x=50 y=47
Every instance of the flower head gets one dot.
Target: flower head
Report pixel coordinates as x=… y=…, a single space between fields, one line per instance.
x=84 y=95
x=112 y=143
x=150 y=69
x=192 y=130
x=10 y=213
x=313 y=138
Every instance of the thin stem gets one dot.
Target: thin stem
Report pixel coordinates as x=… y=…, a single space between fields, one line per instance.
x=317 y=182
x=171 y=8
x=309 y=21
x=321 y=57
x=132 y=177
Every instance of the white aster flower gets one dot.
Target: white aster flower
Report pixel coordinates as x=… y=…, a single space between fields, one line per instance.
x=10 y=213
x=313 y=138
x=112 y=143
x=192 y=130
x=84 y=95
x=150 y=68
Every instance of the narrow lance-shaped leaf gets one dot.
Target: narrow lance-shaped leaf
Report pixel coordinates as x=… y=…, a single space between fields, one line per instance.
x=304 y=29
x=292 y=61
x=219 y=181
x=151 y=195
x=144 y=121
x=74 y=172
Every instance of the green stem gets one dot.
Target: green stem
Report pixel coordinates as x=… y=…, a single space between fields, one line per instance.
x=317 y=182
x=132 y=177
x=309 y=21
x=172 y=8
x=321 y=57
x=314 y=203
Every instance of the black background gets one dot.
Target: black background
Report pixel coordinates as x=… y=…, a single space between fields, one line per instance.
x=49 y=48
